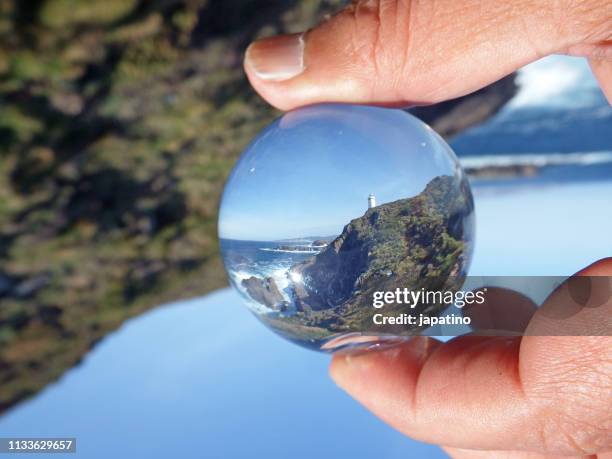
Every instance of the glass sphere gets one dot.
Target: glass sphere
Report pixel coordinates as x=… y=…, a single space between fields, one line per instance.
x=331 y=204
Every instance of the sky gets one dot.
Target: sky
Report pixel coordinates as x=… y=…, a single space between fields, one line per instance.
x=311 y=172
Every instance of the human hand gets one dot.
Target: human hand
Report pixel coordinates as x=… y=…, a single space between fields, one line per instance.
x=513 y=397
x=394 y=52
x=534 y=396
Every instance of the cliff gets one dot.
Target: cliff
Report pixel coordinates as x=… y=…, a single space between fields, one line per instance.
x=411 y=243
x=406 y=243
x=402 y=243
x=120 y=122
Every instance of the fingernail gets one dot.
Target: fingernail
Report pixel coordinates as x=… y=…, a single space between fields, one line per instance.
x=420 y=347
x=351 y=365
x=363 y=361
x=347 y=367
x=277 y=58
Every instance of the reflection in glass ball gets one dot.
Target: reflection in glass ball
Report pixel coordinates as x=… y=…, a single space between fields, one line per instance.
x=333 y=203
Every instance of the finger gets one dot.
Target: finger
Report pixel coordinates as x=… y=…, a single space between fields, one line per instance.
x=602 y=69
x=465 y=393
x=503 y=311
x=601 y=267
x=548 y=394
x=570 y=377
x=398 y=52
x=581 y=306
x=457 y=453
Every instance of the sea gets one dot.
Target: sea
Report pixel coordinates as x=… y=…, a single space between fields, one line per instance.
x=262 y=259
x=558 y=119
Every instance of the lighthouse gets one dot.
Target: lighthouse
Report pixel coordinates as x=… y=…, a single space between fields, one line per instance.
x=371 y=201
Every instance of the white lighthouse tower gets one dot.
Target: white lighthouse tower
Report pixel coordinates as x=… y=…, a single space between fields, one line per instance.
x=371 y=201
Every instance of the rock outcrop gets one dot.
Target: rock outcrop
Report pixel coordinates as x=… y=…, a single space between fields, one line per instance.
x=296 y=248
x=265 y=291
x=453 y=116
x=107 y=170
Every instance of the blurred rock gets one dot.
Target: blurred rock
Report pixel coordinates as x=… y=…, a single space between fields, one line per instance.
x=6 y=284
x=120 y=123
x=265 y=291
x=28 y=287
x=453 y=116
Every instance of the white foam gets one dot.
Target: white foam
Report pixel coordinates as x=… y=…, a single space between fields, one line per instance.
x=280 y=277
x=537 y=159
x=555 y=81
x=241 y=275
x=266 y=249
x=296 y=277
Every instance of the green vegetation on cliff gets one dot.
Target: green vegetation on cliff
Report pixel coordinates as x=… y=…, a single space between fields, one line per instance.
x=119 y=123
x=406 y=243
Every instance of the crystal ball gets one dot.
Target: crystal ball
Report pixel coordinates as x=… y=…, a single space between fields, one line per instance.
x=332 y=203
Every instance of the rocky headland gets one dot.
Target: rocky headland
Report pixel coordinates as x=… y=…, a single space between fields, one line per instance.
x=416 y=242
x=121 y=120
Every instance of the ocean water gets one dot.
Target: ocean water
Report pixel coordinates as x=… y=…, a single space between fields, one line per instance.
x=559 y=108
x=262 y=258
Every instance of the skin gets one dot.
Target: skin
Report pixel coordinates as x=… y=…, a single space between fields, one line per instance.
x=397 y=53
x=508 y=397
x=550 y=396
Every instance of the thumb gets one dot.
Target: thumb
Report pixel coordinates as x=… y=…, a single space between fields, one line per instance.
x=399 y=52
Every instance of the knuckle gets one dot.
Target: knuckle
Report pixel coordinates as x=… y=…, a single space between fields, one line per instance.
x=363 y=27
x=377 y=32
